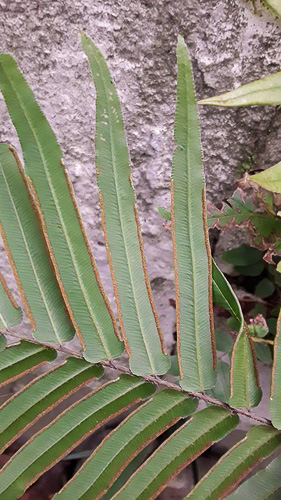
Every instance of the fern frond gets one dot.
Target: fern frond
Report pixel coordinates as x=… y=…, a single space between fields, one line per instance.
x=228 y=472
x=181 y=448
x=69 y=249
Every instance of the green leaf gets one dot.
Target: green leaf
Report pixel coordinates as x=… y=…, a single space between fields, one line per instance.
x=224 y=342
x=263 y=92
x=251 y=270
x=10 y=312
x=275 y=393
x=127 y=472
x=56 y=440
x=137 y=313
x=221 y=391
x=174 y=368
x=17 y=360
x=181 y=448
x=224 y=296
x=140 y=428
x=263 y=353
x=67 y=242
x=3 y=343
x=234 y=324
x=264 y=288
x=27 y=253
x=265 y=484
x=274 y=5
x=196 y=342
x=264 y=226
x=230 y=470
x=269 y=179
x=165 y=214
x=245 y=389
x=42 y=395
x=242 y=256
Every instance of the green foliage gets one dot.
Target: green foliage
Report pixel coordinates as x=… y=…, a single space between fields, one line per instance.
x=266 y=91
x=274 y=5
x=195 y=332
x=62 y=292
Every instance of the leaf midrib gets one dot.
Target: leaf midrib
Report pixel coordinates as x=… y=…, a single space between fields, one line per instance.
x=31 y=260
x=121 y=223
x=190 y=231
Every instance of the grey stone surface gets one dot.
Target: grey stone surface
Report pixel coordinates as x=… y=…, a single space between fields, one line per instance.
x=229 y=45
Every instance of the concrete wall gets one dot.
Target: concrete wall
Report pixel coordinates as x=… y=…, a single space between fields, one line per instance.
x=229 y=45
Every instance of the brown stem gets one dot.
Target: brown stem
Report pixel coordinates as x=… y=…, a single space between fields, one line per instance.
x=154 y=379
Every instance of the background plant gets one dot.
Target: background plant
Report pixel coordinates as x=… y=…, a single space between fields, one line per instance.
x=38 y=207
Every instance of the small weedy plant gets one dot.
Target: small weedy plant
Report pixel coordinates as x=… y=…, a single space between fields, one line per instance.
x=62 y=292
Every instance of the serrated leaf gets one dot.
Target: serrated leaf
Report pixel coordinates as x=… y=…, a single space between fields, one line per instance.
x=192 y=257
x=55 y=441
x=17 y=360
x=137 y=313
x=28 y=255
x=263 y=92
x=269 y=179
x=265 y=484
x=181 y=448
x=42 y=395
x=140 y=428
x=275 y=393
x=10 y=312
x=264 y=226
x=67 y=241
x=274 y=5
x=245 y=388
x=232 y=467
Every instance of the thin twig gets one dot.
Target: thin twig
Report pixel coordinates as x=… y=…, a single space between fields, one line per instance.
x=263 y=341
x=154 y=379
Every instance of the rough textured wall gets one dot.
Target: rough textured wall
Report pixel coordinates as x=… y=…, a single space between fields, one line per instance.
x=229 y=45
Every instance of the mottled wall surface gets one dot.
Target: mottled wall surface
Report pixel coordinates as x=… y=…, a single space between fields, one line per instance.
x=229 y=45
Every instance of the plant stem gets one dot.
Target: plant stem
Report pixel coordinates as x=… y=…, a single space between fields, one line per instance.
x=264 y=341
x=153 y=379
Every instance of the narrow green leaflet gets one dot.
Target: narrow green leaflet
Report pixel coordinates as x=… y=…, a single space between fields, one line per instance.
x=181 y=448
x=42 y=395
x=70 y=428
x=232 y=467
x=28 y=256
x=10 y=312
x=137 y=314
x=224 y=296
x=67 y=242
x=196 y=342
x=269 y=179
x=245 y=388
x=266 y=91
x=274 y=5
x=140 y=428
x=17 y=360
x=265 y=484
x=275 y=399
